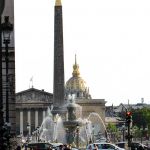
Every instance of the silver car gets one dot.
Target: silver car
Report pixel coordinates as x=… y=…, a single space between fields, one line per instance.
x=103 y=146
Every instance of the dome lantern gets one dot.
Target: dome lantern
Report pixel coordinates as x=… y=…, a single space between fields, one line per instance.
x=76 y=72
x=76 y=85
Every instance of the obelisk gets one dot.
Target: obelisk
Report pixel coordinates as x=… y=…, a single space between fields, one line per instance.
x=58 y=87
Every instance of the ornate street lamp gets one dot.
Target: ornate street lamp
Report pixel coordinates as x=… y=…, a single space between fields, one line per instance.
x=77 y=132
x=123 y=131
x=93 y=128
x=8 y=126
x=38 y=133
x=2 y=3
x=55 y=131
x=146 y=129
x=28 y=129
x=141 y=129
x=7 y=28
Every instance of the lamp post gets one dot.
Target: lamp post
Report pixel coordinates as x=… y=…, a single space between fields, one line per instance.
x=38 y=133
x=123 y=131
x=8 y=126
x=77 y=131
x=146 y=129
x=86 y=128
x=1 y=80
x=141 y=129
x=93 y=132
x=28 y=129
x=7 y=28
x=55 y=131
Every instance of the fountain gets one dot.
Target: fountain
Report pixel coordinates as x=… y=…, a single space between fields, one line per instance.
x=97 y=123
x=52 y=130
x=73 y=129
x=73 y=122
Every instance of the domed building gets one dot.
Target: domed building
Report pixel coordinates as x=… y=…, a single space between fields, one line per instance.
x=76 y=85
x=77 y=89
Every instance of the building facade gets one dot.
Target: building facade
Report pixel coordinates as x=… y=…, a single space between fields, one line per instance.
x=31 y=109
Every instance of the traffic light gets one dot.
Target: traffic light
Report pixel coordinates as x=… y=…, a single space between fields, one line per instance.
x=128 y=117
x=128 y=122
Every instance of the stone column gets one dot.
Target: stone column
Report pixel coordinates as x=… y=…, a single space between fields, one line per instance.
x=36 y=119
x=44 y=114
x=21 y=122
x=29 y=121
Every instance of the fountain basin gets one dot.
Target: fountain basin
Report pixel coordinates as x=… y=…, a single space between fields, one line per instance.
x=72 y=123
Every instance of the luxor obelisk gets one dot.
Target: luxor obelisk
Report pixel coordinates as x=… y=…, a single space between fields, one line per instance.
x=58 y=87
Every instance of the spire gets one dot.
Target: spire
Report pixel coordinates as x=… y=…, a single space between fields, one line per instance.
x=75 y=72
x=58 y=3
x=75 y=60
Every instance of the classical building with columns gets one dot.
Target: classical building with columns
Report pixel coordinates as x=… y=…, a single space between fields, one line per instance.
x=31 y=109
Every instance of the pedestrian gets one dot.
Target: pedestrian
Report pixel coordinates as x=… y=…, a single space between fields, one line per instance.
x=18 y=147
x=90 y=147
x=95 y=147
x=50 y=148
x=141 y=147
x=61 y=147
x=25 y=146
x=66 y=147
x=70 y=147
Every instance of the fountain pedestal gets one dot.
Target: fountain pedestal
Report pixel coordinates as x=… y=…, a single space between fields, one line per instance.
x=72 y=124
x=61 y=111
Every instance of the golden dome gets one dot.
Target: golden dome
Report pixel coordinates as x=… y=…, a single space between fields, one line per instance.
x=76 y=82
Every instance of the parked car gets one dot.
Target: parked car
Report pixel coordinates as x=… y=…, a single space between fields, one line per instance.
x=138 y=146
x=101 y=139
x=134 y=146
x=122 y=144
x=39 y=146
x=56 y=146
x=104 y=146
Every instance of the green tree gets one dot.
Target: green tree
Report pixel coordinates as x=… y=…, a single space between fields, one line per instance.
x=112 y=127
x=141 y=119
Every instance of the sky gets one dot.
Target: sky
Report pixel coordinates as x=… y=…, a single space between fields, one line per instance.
x=111 y=39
